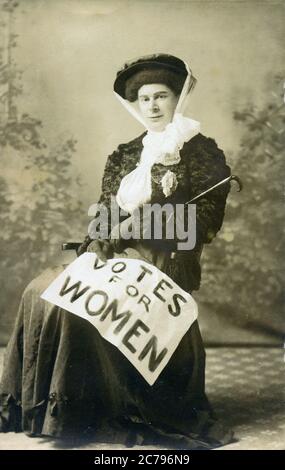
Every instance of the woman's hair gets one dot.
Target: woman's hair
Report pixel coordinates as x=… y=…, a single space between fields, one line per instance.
x=171 y=79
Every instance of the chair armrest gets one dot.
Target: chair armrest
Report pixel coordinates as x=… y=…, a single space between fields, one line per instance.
x=70 y=246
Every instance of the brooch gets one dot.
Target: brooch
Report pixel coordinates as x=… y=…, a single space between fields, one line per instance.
x=169 y=183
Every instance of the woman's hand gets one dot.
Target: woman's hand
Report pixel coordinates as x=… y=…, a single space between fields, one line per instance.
x=103 y=248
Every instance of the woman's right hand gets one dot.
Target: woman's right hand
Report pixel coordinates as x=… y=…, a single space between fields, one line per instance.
x=103 y=249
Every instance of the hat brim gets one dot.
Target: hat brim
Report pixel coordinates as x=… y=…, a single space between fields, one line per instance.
x=124 y=75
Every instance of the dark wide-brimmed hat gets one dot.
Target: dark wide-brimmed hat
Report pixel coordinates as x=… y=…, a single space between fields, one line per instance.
x=160 y=61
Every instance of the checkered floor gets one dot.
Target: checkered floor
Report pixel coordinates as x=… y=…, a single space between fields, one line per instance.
x=246 y=389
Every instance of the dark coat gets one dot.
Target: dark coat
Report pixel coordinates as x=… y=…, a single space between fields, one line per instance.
x=61 y=378
x=202 y=165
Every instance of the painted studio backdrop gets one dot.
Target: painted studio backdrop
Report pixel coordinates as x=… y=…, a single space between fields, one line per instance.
x=59 y=120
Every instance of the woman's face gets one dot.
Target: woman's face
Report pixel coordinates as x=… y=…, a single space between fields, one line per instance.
x=157 y=104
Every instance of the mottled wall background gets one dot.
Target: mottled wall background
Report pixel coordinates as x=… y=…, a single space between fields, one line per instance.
x=69 y=52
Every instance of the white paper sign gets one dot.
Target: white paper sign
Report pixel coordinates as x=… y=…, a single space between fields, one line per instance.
x=132 y=304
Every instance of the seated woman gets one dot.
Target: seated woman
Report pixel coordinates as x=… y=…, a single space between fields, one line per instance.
x=61 y=377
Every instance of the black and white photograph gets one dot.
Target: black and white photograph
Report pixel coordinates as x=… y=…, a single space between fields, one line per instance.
x=142 y=226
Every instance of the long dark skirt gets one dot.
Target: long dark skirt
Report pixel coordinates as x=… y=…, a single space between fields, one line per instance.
x=61 y=378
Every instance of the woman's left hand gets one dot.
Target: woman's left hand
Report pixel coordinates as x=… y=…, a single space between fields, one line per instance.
x=102 y=248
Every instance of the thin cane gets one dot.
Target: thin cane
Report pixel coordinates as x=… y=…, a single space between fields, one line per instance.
x=207 y=191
